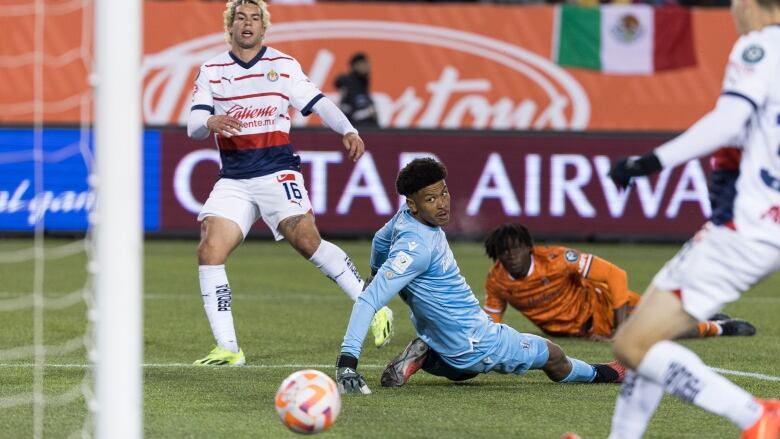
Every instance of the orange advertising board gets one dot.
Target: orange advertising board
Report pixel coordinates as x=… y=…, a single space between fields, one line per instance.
x=433 y=66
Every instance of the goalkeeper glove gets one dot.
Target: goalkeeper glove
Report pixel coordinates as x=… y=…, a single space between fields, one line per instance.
x=629 y=167
x=348 y=380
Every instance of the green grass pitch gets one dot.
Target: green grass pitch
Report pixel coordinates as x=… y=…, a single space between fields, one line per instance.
x=288 y=316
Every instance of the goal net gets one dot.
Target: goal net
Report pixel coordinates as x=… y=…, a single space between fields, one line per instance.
x=70 y=216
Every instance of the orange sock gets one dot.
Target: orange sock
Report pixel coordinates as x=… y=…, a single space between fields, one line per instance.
x=709 y=329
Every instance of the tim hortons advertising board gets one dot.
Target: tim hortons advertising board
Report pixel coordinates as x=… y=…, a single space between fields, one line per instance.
x=433 y=66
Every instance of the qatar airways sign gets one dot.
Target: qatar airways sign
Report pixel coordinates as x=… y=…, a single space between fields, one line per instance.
x=510 y=88
x=554 y=183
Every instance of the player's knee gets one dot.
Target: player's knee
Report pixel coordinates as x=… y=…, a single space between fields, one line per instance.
x=301 y=232
x=210 y=254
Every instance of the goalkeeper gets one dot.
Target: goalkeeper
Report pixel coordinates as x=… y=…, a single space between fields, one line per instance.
x=410 y=256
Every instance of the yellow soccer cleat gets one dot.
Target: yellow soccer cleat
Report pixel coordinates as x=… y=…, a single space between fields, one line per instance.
x=382 y=327
x=222 y=357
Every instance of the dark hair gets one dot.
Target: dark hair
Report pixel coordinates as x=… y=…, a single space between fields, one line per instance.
x=419 y=173
x=356 y=58
x=507 y=236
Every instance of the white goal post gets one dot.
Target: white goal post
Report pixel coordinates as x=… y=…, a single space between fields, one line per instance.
x=118 y=229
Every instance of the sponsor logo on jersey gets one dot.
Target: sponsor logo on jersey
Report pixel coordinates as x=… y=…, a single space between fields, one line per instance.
x=628 y=29
x=753 y=54
x=772 y=214
x=401 y=262
x=251 y=112
x=272 y=75
x=571 y=255
x=285 y=177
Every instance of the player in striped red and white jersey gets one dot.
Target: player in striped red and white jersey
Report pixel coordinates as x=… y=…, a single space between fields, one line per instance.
x=242 y=97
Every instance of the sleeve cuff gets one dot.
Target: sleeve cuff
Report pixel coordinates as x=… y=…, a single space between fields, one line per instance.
x=208 y=108
x=307 y=109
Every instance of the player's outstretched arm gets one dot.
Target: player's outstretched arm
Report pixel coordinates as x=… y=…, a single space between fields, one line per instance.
x=719 y=127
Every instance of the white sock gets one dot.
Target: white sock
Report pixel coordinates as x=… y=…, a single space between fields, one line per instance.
x=684 y=375
x=636 y=404
x=334 y=263
x=217 y=299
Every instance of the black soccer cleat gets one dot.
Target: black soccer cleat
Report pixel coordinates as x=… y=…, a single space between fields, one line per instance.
x=737 y=327
x=720 y=316
x=402 y=367
x=612 y=372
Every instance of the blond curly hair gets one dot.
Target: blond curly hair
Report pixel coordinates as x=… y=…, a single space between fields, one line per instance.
x=230 y=14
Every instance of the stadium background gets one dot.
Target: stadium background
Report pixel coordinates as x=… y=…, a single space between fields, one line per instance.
x=525 y=139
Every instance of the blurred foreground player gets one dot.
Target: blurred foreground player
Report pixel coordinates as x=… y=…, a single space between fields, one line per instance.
x=722 y=260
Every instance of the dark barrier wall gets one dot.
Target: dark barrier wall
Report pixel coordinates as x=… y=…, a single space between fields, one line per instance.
x=554 y=183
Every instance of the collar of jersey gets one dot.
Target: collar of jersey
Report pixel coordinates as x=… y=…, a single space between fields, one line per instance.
x=251 y=62
x=427 y=226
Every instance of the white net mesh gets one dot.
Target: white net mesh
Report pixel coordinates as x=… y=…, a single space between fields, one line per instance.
x=45 y=292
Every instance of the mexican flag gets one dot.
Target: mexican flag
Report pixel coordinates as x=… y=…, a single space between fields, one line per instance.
x=631 y=39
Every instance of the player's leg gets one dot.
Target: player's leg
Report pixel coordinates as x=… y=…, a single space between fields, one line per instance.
x=302 y=234
x=563 y=369
x=418 y=355
x=720 y=328
x=718 y=260
x=642 y=345
x=225 y=219
x=717 y=325
x=286 y=208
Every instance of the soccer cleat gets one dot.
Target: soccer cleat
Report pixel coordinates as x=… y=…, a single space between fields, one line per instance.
x=720 y=316
x=612 y=372
x=768 y=425
x=402 y=367
x=382 y=327
x=222 y=357
x=736 y=327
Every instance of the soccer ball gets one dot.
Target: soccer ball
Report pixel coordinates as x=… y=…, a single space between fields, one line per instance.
x=308 y=401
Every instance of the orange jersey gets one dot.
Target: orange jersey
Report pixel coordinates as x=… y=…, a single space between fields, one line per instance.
x=565 y=292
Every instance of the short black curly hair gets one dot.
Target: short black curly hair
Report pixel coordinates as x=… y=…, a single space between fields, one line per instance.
x=419 y=173
x=507 y=236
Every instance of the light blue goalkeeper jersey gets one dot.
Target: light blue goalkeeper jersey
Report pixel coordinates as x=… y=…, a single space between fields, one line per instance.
x=415 y=260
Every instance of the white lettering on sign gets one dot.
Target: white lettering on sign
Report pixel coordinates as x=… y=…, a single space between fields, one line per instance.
x=365 y=182
x=494 y=183
x=37 y=205
x=318 y=182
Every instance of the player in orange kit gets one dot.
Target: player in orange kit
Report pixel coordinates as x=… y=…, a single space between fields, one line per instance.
x=566 y=292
